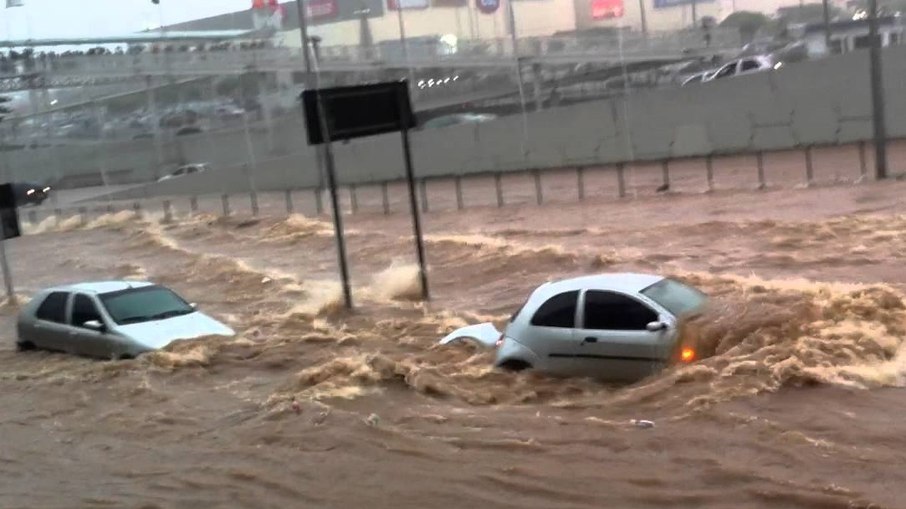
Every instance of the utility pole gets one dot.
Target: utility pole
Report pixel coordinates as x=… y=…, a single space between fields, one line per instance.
x=695 y=13
x=303 y=33
x=827 y=28
x=877 y=92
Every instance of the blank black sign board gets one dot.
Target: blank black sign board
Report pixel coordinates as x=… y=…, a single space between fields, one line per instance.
x=9 y=216
x=355 y=112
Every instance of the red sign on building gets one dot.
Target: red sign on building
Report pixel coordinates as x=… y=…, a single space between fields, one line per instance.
x=393 y=5
x=607 y=9
x=320 y=9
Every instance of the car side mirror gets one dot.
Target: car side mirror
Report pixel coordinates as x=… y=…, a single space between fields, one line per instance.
x=95 y=325
x=656 y=326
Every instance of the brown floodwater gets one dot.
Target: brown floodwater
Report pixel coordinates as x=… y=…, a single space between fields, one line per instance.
x=797 y=403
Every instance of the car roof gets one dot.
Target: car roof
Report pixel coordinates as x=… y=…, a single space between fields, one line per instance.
x=100 y=287
x=627 y=282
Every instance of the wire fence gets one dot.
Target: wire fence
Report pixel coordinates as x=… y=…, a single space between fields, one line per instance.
x=759 y=172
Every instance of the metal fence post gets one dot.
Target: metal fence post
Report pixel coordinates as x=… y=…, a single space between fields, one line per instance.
x=539 y=196
x=423 y=190
x=762 y=184
x=580 y=182
x=288 y=198
x=498 y=186
x=225 y=204
x=457 y=182
x=83 y=216
x=385 y=197
x=319 y=201
x=193 y=204
x=809 y=170
x=58 y=213
x=353 y=198
x=137 y=208
x=168 y=213
x=709 y=171
x=863 y=160
x=621 y=180
x=253 y=201
x=665 y=174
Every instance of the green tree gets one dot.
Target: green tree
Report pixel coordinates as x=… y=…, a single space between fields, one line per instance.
x=748 y=23
x=807 y=13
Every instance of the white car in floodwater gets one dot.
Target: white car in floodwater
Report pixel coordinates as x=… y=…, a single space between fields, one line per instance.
x=111 y=320
x=615 y=327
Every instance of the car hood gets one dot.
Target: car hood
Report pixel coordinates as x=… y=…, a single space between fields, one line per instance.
x=160 y=333
x=484 y=333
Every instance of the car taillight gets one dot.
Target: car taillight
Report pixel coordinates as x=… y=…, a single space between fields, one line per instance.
x=687 y=355
x=499 y=341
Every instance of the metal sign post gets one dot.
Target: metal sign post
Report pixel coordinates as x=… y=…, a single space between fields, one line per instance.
x=877 y=92
x=7 y=274
x=345 y=113
x=403 y=100
x=9 y=229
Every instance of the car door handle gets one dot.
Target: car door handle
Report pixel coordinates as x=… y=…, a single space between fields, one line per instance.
x=590 y=340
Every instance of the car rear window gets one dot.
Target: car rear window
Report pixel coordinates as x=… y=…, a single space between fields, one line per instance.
x=558 y=311
x=53 y=309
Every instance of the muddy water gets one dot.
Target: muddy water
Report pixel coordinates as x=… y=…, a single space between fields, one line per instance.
x=796 y=404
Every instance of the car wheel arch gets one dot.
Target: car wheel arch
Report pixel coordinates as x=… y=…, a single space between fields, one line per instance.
x=514 y=365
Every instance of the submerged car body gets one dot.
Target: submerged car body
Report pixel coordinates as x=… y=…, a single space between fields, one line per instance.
x=617 y=327
x=111 y=319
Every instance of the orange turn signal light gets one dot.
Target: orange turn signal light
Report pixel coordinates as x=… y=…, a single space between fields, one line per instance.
x=687 y=355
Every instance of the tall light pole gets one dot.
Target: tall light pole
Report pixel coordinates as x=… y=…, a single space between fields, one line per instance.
x=644 y=17
x=694 y=13
x=827 y=29
x=877 y=92
x=303 y=33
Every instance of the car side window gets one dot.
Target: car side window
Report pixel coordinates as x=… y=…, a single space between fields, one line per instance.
x=53 y=309
x=84 y=310
x=613 y=311
x=558 y=311
x=749 y=65
x=726 y=71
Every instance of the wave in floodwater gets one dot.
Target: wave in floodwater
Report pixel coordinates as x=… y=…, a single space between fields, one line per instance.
x=755 y=336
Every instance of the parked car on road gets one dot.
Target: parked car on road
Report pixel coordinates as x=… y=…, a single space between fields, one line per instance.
x=28 y=193
x=616 y=327
x=458 y=119
x=111 y=319
x=186 y=170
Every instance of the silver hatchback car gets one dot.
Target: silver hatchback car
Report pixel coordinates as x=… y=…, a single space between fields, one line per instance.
x=616 y=327
x=111 y=319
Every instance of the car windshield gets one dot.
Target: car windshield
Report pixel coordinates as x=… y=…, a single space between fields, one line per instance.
x=144 y=304
x=675 y=297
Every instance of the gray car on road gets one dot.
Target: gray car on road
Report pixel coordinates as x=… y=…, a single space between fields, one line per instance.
x=111 y=319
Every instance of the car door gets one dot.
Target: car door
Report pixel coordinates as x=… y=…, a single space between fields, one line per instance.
x=613 y=340
x=50 y=330
x=83 y=340
x=749 y=66
x=550 y=333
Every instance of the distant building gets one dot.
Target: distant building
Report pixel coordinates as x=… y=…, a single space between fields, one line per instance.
x=340 y=22
x=849 y=35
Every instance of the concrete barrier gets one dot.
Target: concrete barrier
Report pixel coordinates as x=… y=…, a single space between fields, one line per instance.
x=823 y=102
